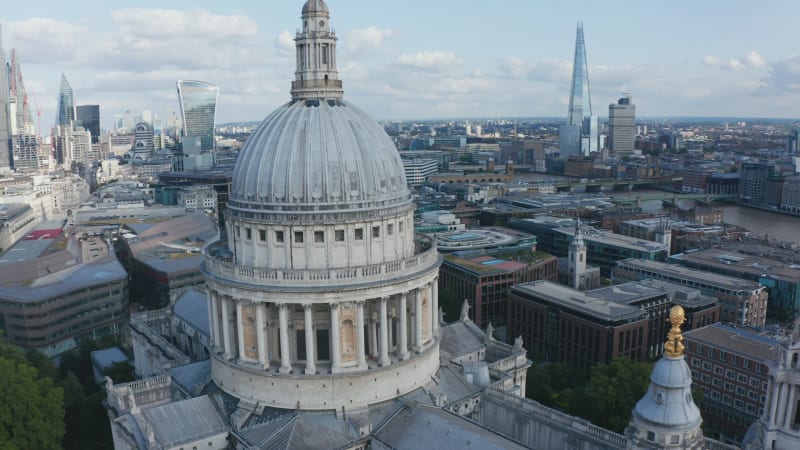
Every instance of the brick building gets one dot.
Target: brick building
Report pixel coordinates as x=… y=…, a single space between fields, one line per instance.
x=485 y=280
x=729 y=364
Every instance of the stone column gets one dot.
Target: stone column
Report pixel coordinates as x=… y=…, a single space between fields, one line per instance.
x=226 y=328
x=384 y=360
x=336 y=348
x=789 y=413
x=781 y=403
x=362 y=361
x=216 y=333
x=435 y=307
x=773 y=402
x=311 y=367
x=261 y=335
x=240 y=328
x=286 y=362
x=403 y=348
x=418 y=321
x=373 y=334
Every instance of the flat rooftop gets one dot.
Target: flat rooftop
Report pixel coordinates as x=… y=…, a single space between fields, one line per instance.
x=608 y=304
x=755 y=266
x=750 y=342
x=678 y=272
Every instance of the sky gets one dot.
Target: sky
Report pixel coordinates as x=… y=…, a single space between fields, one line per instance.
x=417 y=59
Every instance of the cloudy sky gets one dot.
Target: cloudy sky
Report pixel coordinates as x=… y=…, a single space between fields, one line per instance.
x=418 y=59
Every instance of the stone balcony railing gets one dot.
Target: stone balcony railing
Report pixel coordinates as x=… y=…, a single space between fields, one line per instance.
x=217 y=266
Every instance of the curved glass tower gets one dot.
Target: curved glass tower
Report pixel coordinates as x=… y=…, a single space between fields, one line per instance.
x=198 y=102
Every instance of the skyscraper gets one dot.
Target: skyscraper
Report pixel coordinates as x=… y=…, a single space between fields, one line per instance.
x=198 y=102
x=66 y=104
x=5 y=125
x=622 y=126
x=88 y=116
x=580 y=135
x=19 y=109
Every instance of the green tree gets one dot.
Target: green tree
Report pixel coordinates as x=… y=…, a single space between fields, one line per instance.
x=449 y=303
x=121 y=372
x=614 y=390
x=31 y=408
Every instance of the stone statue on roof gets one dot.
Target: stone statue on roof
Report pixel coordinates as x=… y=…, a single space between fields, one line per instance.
x=465 y=311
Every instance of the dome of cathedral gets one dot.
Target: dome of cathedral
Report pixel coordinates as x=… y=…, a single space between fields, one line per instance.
x=315 y=6
x=318 y=155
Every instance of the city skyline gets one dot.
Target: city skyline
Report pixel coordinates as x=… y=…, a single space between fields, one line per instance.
x=713 y=59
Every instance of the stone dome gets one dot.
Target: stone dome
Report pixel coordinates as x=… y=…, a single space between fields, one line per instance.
x=315 y=6
x=668 y=401
x=318 y=155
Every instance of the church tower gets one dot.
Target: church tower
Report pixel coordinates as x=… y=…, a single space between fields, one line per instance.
x=666 y=417
x=577 y=258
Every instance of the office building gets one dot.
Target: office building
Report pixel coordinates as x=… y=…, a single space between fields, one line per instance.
x=622 y=127
x=742 y=302
x=781 y=279
x=581 y=328
x=731 y=365
x=88 y=117
x=143 y=146
x=59 y=289
x=417 y=170
x=581 y=133
x=484 y=280
x=198 y=103
x=25 y=153
x=65 y=114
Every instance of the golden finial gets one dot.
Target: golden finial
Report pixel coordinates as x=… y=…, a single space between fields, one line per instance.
x=674 y=345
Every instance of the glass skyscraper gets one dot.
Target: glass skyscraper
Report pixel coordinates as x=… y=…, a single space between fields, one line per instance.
x=66 y=104
x=198 y=102
x=5 y=124
x=580 y=135
x=88 y=117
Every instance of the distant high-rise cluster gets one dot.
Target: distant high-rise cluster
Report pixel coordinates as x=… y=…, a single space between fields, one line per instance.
x=580 y=135
x=19 y=145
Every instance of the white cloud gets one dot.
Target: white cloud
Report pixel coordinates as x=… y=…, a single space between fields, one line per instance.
x=45 y=40
x=752 y=60
x=366 y=39
x=143 y=24
x=284 y=43
x=428 y=60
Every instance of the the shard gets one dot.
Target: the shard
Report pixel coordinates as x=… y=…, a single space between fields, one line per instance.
x=580 y=135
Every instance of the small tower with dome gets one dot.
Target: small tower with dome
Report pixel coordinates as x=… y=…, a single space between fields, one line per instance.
x=667 y=417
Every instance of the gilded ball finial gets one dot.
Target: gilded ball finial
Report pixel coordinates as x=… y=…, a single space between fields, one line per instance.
x=674 y=345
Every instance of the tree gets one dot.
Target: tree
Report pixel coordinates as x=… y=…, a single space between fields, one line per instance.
x=614 y=390
x=121 y=372
x=449 y=304
x=31 y=408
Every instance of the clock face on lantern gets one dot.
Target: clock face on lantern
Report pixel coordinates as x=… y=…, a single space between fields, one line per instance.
x=322 y=23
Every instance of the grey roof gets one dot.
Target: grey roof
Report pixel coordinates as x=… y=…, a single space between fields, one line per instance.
x=192 y=306
x=180 y=421
x=754 y=343
x=461 y=338
x=677 y=272
x=668 y=400
x=80 y=276
x=603 y=307
x=192 y=377
x=327 y=155
x=103 y=359
x=430 y=427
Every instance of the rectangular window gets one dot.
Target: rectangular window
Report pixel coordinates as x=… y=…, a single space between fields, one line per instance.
x=400 y=227
x=319 y=237
x=376 y=232
x=359 y=234
x=279 y=237
x=298 y=237
x=262 y=235
x=238 y=232
x=730 y=374
x=248 y=233
x=728 y=387
x=339 y=235
x=742 y=378
x=718 y=370
x=389 y=229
